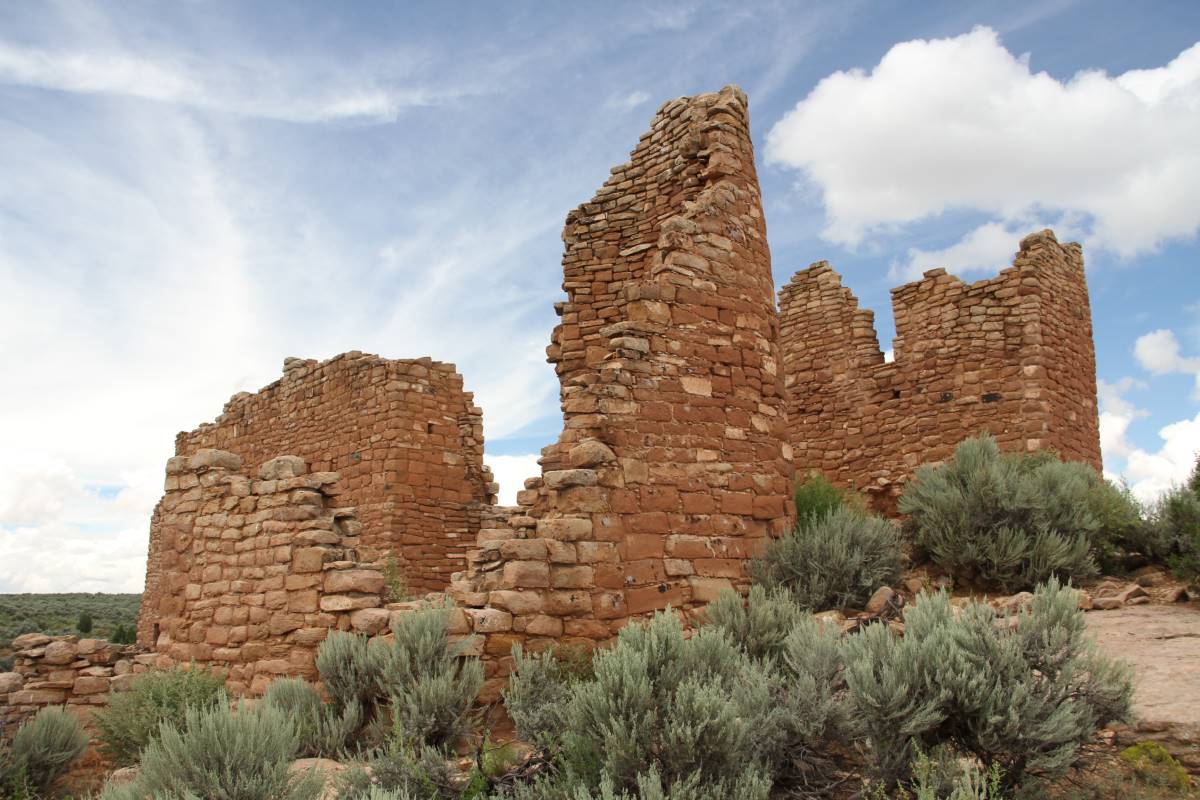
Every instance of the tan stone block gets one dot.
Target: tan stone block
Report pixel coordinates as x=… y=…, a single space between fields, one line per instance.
x=516 y=602
x=489 y=620
x=366 y=581
x=542 y=625
x=526 y=574
x=571 y=577
x=90 y=685
x=565 y=529
x=60 y=652
x=705 y=590
x=345 y=602
x=308 y=559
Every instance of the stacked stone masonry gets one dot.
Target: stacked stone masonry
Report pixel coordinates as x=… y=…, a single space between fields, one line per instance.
x=672 y=468
x=255 y=571
x=675 y=463
x=405 y=438
x=1011 y=356
x=64 y=670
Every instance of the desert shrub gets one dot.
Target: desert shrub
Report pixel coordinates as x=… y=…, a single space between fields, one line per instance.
x=419 y=683
x=431 y=685
x=1154 y=766
x=1175 y=520
x=42 y=751
x=833 y=561
x=421 y=773
x=806 y=712
x=1021 y=701
x=759 y=623
x=132 y=718
x=1005 y=521
x=84 y=623
x=539 y=692
x=221 y=754
x=325 y=731
x=816 y=497
x=123 y=634
x=660 y=710
x=650 y=786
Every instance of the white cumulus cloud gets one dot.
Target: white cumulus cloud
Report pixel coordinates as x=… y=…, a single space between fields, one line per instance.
x=1149 y=473
x=1159 y=354
x=962 y=123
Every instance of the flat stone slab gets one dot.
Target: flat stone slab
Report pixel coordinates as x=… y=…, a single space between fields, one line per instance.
x=1162 y=642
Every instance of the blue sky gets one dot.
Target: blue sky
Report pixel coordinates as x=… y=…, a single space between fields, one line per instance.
x=190 y=192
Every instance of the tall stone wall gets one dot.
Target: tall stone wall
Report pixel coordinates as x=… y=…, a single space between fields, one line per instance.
x=1011 y=356
x=405 y=438
x=672 y=467
x=254 y=571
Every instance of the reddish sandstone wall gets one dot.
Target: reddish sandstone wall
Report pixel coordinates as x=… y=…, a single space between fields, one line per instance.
x=1011 y=356
x=255 y=571
x=672 y=467
x=404 y=436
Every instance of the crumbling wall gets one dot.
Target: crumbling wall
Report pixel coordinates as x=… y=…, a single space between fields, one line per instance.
x=1011 y=356
x=255 y=571
x=64 y=670
x=405 y=438
x=672 y=467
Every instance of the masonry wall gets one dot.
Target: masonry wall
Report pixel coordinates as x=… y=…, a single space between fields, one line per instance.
x=64 y=670
x=404 y=436
x=255 y=571
x=672 y=467
x=1011 y=356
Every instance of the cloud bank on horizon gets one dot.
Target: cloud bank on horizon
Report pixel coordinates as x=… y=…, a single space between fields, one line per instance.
x=188 y=200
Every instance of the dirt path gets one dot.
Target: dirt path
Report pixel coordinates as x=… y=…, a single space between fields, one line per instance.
x=1162 y=642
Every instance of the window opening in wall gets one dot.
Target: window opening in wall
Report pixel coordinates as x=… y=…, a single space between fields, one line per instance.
x=991 y=397
x=429 y=427
x=945 y=397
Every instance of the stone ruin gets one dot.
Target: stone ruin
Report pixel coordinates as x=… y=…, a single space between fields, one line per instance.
x=689 y=405
x=405 y=439
x=1011 y=356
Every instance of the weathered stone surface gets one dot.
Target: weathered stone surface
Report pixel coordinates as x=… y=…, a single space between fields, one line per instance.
x=60 y=652
x=370 y=620
x=281 y=468
x=1011 y=356
x=211 y=458
x=10 y=682
x=367 y=581
x=880 y=600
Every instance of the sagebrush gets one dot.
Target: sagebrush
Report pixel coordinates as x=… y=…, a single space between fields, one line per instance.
x=42 y=751
x=834 y=560
x=132 y=718
x=1006 y=521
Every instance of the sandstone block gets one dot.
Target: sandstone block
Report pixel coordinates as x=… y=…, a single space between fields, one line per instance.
x=564 y=478
x=489 y=620
x=10 y=682
x=590 y=453
x=209 y=458
x=370 y=620
x=366 y=581
x=705 y=590
x=282 y=468
x=526 y=574
x=565 y=529
x=345 y=602
x=90 y=685
x=28 y=641
x=60 y=652
x=517 y=603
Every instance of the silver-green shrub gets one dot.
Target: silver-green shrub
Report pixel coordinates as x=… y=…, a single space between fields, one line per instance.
x=831 y=561
x=1005 y=521
x=432 y=686
x=220 y=754
x=1021 y=701
x=132 y=718
x=760 y=623
x=659 y=709
x=539 y=692
x=326 y=731
x=42 y=751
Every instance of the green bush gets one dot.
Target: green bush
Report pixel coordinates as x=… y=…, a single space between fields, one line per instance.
x=539 y=691
x=834 y=561
x=1122 y=529
x=1154 y=766
x=816 y=497
x=1175 y=520
x=759 y=623
x=84 y=623
x=660 y=710
x=431 y=685
x=132 y=718
x=1021 y=701
x=42 y=751
x=1002 y=521
x=325 y=731
x=220 y=754
x=420 y=684
x=123 y=634
x=422 y=773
